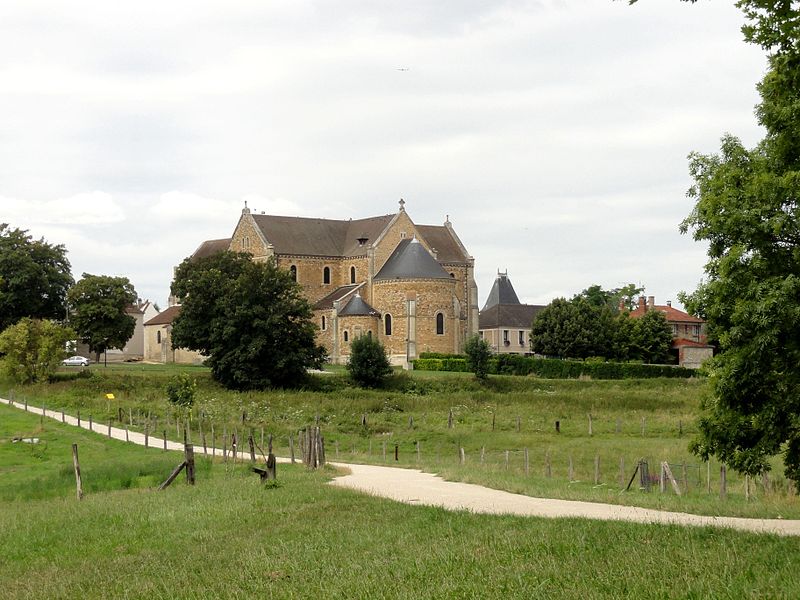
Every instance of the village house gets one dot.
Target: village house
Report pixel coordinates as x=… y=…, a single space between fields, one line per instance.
x=689 y=340
x=410 y=286
x=134 y=349
x=504 y=322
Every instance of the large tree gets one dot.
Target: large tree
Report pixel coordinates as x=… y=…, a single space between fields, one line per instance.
x=748 y=211
x=250 y=318
x=32 y=349
x=98 y=306
x=34 y=277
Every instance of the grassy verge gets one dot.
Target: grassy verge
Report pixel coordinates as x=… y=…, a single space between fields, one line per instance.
x=230 y=537
x=631 y=419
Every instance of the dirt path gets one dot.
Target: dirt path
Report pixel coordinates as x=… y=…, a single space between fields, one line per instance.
x=415 y=487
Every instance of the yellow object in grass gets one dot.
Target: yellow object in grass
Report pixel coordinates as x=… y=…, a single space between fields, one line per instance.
x=110 y=396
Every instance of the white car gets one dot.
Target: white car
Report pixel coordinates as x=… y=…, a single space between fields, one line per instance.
x=75 y=361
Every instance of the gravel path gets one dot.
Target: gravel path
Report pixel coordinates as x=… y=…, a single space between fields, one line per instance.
x=415 y=487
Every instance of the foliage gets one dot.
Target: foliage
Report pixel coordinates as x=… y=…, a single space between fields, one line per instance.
x=97 y=311
x=651 y=337
x=625 y=295
x=181 y=390
x=549 y=368
x=33 y=349
x=250 y=318
x=747 y=211
x=34 y=277
x=368 y=364
x=478 y=355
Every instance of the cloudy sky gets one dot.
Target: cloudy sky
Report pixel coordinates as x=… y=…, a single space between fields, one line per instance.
x=553 y=132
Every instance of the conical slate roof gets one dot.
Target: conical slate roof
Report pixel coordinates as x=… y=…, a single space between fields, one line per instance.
x=502 y=292
x=357 y=308
x=410 y=260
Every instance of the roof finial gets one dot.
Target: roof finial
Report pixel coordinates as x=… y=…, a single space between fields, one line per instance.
x=447 y=219
x=245 y=210
x=402 y=204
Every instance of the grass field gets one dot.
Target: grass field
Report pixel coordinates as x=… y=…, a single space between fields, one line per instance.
x=503 y=417
x=230 y=537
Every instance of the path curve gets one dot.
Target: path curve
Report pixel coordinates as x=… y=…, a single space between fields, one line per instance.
x=412 y=486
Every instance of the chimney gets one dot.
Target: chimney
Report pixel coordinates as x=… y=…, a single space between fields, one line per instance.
x=642 y=303
x=651 y=302
x=669 y=303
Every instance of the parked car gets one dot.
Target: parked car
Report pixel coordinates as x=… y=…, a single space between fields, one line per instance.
x=75 y=361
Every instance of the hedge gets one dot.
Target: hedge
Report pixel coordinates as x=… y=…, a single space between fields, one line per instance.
x=549 y=368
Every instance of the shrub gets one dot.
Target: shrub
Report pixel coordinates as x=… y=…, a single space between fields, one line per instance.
x=33 y=349
x=181 y=390
x=368 y=364
x=478 y=355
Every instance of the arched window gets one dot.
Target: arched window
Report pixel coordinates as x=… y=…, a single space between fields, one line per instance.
x=439 y=324
x=323 y=323
x=326 y=275
x=387 y=323
x=293 y=272
x=158 y=337
x=246 y=243
x=369 y=333
x=352 y=274
x=345 y=335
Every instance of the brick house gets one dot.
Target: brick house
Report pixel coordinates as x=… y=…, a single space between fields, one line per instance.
x=689 y=340
x=411 y=286
x=504 y=322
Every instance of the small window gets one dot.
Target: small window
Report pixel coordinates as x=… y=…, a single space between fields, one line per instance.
x=521 y=338
x=324 y=324
x=505 y=337
x=439 y=324
x=346 y=337
x=352 y=274
x=293 y=272
x=246 y=243
x=326 y=275
x=480 y=334
x=387 y=323
x=158 y=337
x=369 y=333
x=452 y=275
x=402 y=235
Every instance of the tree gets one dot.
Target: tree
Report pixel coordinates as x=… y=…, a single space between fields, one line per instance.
x=368 y=364
x=576 y=328
x=478 y=355
x=249 y=318
x=97 y=311
x=651 y=338
x=748 y=211
x=34 y=277
x=32 y=349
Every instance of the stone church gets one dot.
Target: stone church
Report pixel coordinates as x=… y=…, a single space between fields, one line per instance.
x=410 y=286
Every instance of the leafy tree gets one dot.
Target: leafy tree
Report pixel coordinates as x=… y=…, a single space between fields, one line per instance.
x=34 y=277
x=748 y=212
x=651 y=338
x=368 y=364
x=97 y=311
x=250 y=318
x=478 y=354
x=575 y=328
x=32 y=349
x=181 y=390
x=598 y=297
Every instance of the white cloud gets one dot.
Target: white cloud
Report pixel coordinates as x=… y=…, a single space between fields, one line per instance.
x=90 y=208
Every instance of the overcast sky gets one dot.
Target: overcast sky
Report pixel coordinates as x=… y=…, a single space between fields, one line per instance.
x=554 y=133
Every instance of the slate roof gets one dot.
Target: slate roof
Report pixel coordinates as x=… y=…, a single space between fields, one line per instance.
x=211 y=247
x=512 y=316
x=440 y=238
x=320 y=237
x=326 y=303
x=502 y=292
x=165 y=317
x=357 y=307
x=410 y=260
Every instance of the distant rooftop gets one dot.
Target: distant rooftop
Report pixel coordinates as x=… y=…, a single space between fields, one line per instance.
x=502 y=292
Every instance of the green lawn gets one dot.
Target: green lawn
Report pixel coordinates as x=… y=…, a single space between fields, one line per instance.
x=656 y=419
x=230 y=537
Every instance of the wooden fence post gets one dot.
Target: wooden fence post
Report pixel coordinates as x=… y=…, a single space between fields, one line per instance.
x=506 y=460
x=685 y=476
x=291 y=448
x=127 y=438
x=619 y=425
x=383 y=445
x=188 y=451
x=450 y=419
x=63 y=419
x=527 y=465
x=203 y=439
x=90 y=423
x=146 y=437
x=26 y=405
x=548 y=471
x=483 y=454
x=708 y=476
x=621 y=471
x=77 y=468
x=109 y=428
x=590 y=424
x=411 y=421
x=396 y=453
x=558 y=426
x=165 y=440
x=723 y=482
x=79 y=418
x=519 y=424
x=252 y=444
x=493 y=418
x=461 y=456
x=571 y=470
x=597 y=469
x=747 y=487
x=418 y=452
x=336 y=448
x=662 y=480
x=643 y=425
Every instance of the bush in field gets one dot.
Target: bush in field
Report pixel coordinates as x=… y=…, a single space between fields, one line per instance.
x=368 y=365
x=478 y=355
x=181 y=390
x=33 y=349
